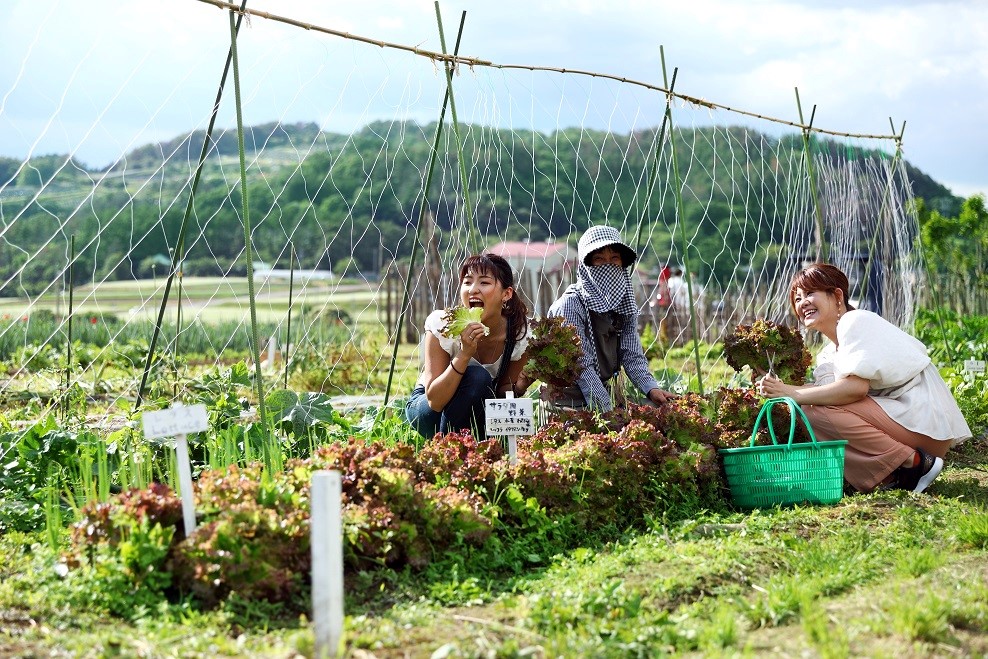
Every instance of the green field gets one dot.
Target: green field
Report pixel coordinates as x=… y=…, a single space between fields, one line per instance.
x=211 y=299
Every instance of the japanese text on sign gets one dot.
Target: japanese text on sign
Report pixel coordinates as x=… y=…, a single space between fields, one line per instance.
x=974 y=365
x=509 y=416
x=174 y=421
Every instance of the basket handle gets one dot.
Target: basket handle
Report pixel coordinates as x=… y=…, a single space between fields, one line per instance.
x=794 y=410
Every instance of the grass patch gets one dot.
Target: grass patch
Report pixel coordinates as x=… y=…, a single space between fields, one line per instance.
x=875 y=575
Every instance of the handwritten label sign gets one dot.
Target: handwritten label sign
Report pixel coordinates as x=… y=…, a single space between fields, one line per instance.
x=175 y=421
x=974 y=365
x=509 y=416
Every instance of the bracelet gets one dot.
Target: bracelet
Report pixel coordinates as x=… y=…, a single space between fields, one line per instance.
x=454 y=368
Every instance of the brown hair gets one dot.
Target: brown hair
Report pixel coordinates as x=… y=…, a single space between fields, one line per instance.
x=514 y=310
x=820 y=277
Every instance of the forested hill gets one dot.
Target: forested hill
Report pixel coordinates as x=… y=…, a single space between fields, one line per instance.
x=258 y=138
x=312 y=186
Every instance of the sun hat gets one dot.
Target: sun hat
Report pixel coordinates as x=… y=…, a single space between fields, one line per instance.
x=599 y=237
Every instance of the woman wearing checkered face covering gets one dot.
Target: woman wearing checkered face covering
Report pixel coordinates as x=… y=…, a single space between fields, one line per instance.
x=601 y=306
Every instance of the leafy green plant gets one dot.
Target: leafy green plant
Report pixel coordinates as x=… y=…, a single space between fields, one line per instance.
x=581 y=473
x=33 y=459
x=120 y=548
x=222 y=390
x=305 y=417
x=946 y=332
x=971 y=394
x=973 y=530
x=768 y=346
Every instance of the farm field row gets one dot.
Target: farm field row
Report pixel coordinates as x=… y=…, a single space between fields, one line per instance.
x=211 y=299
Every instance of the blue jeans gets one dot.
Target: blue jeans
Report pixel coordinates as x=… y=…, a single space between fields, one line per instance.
x=464 y=411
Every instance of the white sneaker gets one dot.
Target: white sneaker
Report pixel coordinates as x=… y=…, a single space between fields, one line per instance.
x=930 y=474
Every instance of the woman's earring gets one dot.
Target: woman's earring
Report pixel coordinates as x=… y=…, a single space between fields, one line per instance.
x=504 y=306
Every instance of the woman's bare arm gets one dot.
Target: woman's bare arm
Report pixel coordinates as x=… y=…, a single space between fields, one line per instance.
x=848 y=389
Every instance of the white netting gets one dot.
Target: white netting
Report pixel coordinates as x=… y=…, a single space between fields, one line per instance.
x=545 y=153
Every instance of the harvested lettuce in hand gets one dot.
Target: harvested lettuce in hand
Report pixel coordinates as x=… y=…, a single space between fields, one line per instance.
x=456 y=319
x=768 y=346
x=554 y=352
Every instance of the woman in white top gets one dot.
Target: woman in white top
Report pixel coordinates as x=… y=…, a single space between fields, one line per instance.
x=874 y=386
x=484 y=361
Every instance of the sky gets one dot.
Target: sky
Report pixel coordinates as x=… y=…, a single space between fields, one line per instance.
x=99 y=78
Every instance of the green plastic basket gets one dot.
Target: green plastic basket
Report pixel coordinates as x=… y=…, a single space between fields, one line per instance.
x=785 y=474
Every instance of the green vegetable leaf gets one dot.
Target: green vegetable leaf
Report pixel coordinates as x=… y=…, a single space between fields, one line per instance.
x=765 y=345
x=554 y=352
x=297 y=413
x=457 y=318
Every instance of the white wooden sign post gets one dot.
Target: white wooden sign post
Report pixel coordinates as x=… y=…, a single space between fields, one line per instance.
x=177 y=422
x=509 y=417
x=326 y=540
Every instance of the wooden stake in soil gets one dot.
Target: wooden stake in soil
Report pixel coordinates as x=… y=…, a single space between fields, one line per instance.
x=177 y=422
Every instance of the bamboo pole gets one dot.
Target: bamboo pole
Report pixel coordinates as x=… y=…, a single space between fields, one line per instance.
x=248 y=252
x=822 y=249
x=178 y=319
x=682 y=227
x=473 y=239
x=423 y=208
x=471 y=62
x=68 y=328
x=654 y=161
x=180 y=242
x=291 y=288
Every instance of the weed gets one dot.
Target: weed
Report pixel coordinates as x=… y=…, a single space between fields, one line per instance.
x=972 y=529
x=919 y=562
x=828 y=639
x=721 y=631
x=456 y=592
x=920 y=618
x=779 y=601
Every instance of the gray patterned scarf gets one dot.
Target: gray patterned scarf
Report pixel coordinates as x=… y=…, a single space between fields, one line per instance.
x=606 y=288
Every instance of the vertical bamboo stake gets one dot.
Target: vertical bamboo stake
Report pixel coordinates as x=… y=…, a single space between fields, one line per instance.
x=682 y=221
x=423 y=207
x=248 y=253
x=291 y=287
x=822 y=249
x=473 y=240
x=180 y=245
x=68 y=328
x=178 y=317
x=654 y=163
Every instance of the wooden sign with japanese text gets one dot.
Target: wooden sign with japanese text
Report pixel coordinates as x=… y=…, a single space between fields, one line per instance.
x=509 y=416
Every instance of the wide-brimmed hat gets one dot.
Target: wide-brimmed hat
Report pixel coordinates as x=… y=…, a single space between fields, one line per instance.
x=596 y=238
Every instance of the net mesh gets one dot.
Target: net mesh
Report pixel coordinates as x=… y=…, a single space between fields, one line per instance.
x=350 y=252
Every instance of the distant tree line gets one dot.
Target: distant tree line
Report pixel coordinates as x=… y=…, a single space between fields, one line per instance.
x=356 y=198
